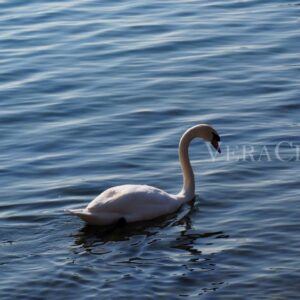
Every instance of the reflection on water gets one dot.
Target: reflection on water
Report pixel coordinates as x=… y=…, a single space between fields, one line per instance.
x=89 y=234
x=153 y=244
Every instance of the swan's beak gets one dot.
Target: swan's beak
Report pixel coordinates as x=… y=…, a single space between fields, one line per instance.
x=215 y=144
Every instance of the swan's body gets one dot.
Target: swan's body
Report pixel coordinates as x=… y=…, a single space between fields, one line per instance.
x=142 y=202
x=131 y=202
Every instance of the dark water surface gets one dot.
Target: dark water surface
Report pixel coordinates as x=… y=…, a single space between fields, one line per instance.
x=97 y=93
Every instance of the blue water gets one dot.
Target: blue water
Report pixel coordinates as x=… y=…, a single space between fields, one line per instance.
x=98 y=93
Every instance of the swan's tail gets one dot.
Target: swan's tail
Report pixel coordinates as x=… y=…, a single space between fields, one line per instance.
x=85 y=215
x=77 y=212
x=89 y=217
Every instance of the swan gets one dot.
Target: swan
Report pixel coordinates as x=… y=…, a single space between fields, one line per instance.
x=132 y=203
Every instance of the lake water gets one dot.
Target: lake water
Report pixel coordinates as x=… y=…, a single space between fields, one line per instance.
x=98 y=93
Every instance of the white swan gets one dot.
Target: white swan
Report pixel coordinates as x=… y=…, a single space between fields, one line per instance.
x=133 y=203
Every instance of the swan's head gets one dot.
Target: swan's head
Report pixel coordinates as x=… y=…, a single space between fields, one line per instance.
x=210 y=135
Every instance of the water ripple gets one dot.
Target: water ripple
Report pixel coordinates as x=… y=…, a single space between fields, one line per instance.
x=95 y=95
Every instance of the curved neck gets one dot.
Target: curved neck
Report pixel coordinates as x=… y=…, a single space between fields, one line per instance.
x=188 y=190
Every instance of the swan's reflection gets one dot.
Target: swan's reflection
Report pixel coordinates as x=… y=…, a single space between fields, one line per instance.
x=91 y=236
x=140 y=243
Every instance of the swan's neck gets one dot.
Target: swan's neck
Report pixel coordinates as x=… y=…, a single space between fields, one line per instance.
x=188 y=190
